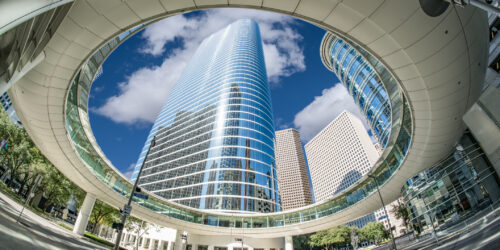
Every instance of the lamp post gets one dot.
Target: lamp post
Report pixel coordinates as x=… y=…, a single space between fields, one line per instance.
x=127 y=208
x=386 y=214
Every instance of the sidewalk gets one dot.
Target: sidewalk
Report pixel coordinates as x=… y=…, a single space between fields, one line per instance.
x=460 y=233
x=470 y=226
x=33 y=231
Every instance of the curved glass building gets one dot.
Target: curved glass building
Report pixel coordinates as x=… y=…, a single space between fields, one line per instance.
x=215 y=134
x=362 y=80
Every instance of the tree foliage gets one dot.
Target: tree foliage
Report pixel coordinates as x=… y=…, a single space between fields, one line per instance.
x=24 y=162
x=334 y=237
x=401 y=212
x=103 y=214
x=343 y=236
x=374 y=231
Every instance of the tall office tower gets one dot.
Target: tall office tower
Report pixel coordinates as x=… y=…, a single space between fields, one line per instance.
x=292 y=170
x=215 y=135
x=7 y=106
x=338 y=156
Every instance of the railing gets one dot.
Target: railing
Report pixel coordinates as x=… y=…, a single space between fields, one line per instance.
x=84 y=143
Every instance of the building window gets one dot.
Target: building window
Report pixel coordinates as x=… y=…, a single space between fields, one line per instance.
x=202 y=247
x=495 y=65
x=495 y=26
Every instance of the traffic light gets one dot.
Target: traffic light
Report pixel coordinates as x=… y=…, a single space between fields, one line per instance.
x=117 y=225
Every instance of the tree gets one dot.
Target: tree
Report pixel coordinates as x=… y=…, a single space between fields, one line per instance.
x=103 y=213
x=319 y=239
x=334 y=237
x=374 y=231
x=139 y=228
x=401 y=212
x=20 y=150
x=25 y=162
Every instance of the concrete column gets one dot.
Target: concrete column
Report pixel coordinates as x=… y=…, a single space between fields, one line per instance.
x=170 y=245
x=179 y=245
x=83 y=216
x=288 y=243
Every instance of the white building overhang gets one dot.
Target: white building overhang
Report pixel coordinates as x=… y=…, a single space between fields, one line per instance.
x=439 y=61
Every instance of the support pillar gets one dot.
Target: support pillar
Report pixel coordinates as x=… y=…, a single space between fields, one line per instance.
x=179 y=243
x=84 y=214
x=288 y=243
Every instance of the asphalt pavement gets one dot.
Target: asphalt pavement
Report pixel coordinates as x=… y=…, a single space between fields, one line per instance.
x=34 y=232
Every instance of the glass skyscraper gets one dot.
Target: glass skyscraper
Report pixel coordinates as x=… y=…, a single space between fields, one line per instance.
x=215 y=134
x=362 y=79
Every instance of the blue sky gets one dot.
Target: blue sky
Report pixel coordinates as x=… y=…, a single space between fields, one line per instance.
x=139 y=74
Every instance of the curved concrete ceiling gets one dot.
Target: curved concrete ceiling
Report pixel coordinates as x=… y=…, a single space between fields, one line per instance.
x=439 y=61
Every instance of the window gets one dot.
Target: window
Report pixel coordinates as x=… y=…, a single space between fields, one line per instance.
x=202 y=247
x=220 y=248
x=495 y=65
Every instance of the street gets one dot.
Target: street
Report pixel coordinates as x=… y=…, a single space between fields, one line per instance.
x=34 y=232
x=484 y=233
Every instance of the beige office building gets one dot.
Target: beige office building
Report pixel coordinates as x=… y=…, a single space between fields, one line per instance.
x=339 y=155
x=291 y=170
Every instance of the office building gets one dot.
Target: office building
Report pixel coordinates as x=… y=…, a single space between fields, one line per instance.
x=291 y=167
x=339 y=155
x=7 y=106
x=214 y=135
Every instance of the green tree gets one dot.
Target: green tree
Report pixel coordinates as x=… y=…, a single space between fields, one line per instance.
x=334 y=237
x=103 y=214
x=25 y=162
x=319 y=239
x=401 y=212
x=302 y=242
x=374 y=231
x=20 y=151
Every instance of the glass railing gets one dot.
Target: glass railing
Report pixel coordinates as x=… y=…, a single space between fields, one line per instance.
x=84 y=143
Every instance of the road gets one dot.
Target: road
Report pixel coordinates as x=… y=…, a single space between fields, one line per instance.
x=481 y=233
x=34 y=232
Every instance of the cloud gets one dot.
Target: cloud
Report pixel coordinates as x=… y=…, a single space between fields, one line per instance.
x=326 y=107
x=142 y=95
x=129 y=171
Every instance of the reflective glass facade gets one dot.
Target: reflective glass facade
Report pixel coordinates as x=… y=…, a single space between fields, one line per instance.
x=215 y=135
x=84 y=144
x=452 y=190
x=364 y=85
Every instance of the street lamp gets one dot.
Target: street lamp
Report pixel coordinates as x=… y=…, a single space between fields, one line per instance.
x=127 y=208
x=386 y=214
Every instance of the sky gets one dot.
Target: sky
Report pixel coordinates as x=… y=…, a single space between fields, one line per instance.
x=138 y=76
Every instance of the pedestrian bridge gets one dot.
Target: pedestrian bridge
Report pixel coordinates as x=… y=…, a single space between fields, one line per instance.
x=432 y=68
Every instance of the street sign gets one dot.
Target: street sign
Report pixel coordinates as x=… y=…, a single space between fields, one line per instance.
x=141 y=196
x=127 y=209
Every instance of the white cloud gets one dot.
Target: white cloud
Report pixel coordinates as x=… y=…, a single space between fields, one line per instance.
x=141 y=97
x=320 y=112
x=129 y=171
